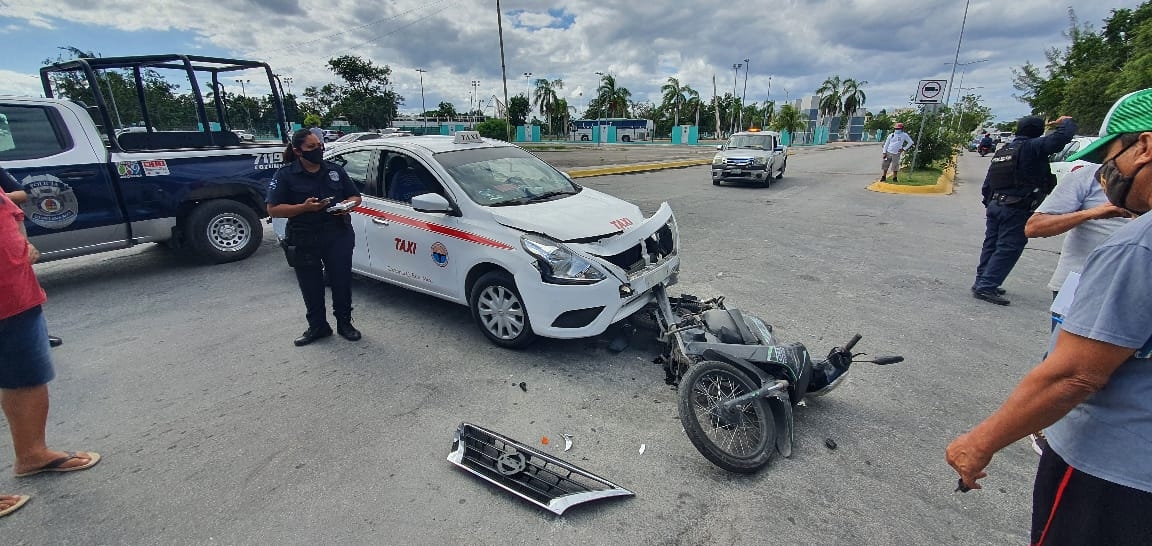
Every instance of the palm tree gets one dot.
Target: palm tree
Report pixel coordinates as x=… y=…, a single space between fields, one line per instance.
x=769 y=112
x=831 y=100
x=613 y=97
x=545 y=98
x=675 y=96
x=790 y=119
x=854 y=99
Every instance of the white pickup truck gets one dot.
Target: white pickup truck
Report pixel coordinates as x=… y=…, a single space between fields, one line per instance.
x=93 y=188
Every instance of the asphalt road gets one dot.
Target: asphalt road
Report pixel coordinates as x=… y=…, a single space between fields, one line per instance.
x=215 y=429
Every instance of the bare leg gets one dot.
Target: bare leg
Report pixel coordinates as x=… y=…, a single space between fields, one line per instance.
x=27 y=413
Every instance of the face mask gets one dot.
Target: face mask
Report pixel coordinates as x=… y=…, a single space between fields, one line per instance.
x=313 y=156
x=1117 y=186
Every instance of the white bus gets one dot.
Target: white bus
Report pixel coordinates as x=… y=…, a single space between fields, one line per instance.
x=627 y=130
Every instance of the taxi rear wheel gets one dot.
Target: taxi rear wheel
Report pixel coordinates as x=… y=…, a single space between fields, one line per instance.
x=499 y=311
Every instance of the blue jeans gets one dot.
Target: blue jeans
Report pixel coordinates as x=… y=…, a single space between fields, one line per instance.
x=1004 y=242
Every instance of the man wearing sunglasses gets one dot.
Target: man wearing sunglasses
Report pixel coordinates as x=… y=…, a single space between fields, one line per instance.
x=1092 y=394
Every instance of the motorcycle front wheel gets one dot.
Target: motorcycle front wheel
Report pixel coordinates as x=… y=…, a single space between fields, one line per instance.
x=741 y=439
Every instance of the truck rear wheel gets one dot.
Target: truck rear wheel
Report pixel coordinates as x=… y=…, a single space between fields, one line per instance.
x=223 y=230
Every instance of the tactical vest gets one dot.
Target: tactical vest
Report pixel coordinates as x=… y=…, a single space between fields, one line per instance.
x=1004 y=172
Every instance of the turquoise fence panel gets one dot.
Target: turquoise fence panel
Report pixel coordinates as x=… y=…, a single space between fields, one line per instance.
x=786 y=138
x=535 y=136
x=611 y=133
x=519 y=133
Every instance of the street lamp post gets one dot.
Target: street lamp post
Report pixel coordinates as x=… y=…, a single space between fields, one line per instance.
x=528 y=87
x=735 y=74
x=600 y=115
x=744 y=95
x=288 y=81
x=423 y=108
x=475 y=93
x=242 y=89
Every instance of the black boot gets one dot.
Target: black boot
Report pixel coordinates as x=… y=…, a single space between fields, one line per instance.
x=347 y=331
x=312 y=334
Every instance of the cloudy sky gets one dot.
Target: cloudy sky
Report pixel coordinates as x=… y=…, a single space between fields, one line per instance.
x=792 y=45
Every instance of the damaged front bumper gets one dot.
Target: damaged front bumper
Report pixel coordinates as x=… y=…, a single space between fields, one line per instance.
x=532 y=475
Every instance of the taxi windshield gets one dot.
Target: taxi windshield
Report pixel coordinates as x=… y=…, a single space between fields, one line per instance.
x=755 y=142
x=505 y=176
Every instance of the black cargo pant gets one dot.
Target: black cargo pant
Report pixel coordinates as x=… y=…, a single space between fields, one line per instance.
x=331 y=252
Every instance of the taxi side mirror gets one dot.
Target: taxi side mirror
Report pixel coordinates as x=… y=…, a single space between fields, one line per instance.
x=432 y=203
x=719 y=146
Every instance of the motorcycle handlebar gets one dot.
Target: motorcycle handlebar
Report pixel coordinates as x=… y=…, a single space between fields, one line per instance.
x=884 y=360
x=851 y=343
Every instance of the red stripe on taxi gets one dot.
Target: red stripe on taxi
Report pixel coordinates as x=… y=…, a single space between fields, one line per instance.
x=434 y=228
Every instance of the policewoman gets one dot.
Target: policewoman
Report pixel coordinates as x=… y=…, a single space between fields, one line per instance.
x=319 y=237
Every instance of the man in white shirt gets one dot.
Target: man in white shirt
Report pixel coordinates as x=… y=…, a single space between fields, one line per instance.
x=894 y=145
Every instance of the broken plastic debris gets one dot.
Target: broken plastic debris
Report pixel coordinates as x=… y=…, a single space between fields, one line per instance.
x=642 y=446
x=523 y=386
x=830 y=443
x=567 y=442
x=544 y=440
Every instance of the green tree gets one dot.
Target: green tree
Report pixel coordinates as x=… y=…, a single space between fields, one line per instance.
x=493 y=128
x=313 y=120
x=675 y=97
x=545 y=99
x=613 y=98
x=518 y=110
x=790 y=119
x=830 y=100
x=446 y=110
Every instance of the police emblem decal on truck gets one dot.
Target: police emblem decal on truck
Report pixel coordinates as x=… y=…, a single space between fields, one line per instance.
x=51 y=203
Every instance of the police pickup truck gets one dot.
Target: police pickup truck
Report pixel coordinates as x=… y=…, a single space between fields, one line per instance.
x=94 y=186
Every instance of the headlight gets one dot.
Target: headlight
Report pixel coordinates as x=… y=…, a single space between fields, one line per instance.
x=718 y=160
x=558 y=264
x=760 y=160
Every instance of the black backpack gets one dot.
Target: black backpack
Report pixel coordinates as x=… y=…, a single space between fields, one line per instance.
x=1003 y=173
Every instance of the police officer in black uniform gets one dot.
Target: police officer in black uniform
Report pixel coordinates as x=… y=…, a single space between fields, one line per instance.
x=317 y=240
x=1018 y=180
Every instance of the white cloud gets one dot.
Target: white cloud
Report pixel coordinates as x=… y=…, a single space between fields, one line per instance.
x=891 y=43
x=16 y=83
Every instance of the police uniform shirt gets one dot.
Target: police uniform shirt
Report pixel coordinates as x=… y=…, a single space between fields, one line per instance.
x=292 y=185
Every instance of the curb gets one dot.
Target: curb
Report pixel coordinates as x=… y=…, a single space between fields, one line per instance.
x=944 y=185
x=638 y=168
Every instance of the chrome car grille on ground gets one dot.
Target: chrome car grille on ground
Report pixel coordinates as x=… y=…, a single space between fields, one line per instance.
x=537 y=477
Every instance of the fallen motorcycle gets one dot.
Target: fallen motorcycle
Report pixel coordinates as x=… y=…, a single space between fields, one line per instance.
x=737 y=383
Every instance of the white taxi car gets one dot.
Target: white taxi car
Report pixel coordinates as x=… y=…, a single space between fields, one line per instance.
x=487 y=224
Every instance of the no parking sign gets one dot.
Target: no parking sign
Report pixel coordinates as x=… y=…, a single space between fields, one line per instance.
x=931 y=91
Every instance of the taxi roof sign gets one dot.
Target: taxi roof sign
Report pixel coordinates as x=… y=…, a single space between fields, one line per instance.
x=467 y=137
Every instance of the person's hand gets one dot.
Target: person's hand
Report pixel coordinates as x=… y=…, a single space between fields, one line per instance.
x=1058 y=120
x=33 y=254
x=1108 y=210
x=313 y=204
x=969 y=460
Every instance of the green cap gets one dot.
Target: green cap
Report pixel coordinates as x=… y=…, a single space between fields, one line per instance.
x=1131 y=114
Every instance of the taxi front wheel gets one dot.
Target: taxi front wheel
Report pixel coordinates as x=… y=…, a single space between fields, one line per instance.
x=499 y=311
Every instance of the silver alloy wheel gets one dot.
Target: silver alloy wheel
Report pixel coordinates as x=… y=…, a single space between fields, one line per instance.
x=228 y=232
x=501 y=312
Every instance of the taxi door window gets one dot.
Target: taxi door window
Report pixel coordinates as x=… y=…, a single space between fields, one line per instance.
x=405 y=177
x=361 y=169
